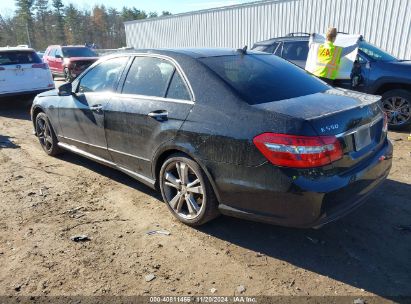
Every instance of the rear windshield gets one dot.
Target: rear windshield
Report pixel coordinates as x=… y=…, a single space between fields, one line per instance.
x=264 y=78
x=19 y=57
x=78 y=52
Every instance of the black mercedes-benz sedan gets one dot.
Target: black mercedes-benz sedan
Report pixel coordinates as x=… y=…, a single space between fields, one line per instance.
x=240 y=133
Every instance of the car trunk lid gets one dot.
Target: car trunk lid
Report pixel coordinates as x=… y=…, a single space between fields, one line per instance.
x=356 y=119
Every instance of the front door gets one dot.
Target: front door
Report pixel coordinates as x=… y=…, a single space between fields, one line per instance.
x=148 y=112
x=81 y=115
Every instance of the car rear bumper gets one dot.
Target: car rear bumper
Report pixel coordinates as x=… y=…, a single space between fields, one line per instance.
x=25 y=93
x=302 y=201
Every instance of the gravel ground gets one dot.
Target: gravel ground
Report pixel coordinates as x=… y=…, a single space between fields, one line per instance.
x=45 y=201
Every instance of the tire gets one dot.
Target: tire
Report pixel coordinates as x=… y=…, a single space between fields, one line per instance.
x=67 y=75
x=177 y=192
x=46 y=135
x=397 y=105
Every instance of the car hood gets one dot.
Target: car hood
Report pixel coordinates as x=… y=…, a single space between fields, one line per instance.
x=402 y=62
x=83 y=59
x=53 y=92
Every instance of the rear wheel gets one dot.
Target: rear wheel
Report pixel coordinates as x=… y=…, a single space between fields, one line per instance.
x=187 y=191
x=397 y=105
x=46 y=135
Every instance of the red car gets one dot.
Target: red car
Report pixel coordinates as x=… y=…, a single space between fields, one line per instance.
x=69 y=61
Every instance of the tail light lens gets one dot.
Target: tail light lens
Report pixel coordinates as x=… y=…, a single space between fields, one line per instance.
x=298 y=151
x=40 y=66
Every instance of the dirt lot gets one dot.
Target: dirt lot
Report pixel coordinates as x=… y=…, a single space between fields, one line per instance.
x=44 y=201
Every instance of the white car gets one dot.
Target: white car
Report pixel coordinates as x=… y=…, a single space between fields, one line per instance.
x=22 y=72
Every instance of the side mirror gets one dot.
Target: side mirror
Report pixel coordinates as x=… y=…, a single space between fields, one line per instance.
x=65 y=89
x=58 y=56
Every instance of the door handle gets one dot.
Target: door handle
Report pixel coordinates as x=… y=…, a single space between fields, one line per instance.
x=96 y=108
x=160 y=115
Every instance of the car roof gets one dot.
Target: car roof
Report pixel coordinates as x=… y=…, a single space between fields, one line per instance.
x=61 y=45
x=5 y=49
x=282 y=39
x=191 y=52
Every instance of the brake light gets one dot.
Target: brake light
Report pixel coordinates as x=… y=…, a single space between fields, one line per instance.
x=40 y=66
x=298 y=151
x=385 y=125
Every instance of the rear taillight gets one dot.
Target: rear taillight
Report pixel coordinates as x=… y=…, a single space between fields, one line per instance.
x=385 y=125
x=298 y=151
x=40 y=66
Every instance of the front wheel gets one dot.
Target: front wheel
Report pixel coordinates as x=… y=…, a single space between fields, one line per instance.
x=46 y=135
x=187 y=191
x=397 y=105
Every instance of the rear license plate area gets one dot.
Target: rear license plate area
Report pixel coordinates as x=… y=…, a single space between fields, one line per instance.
x=362 y=138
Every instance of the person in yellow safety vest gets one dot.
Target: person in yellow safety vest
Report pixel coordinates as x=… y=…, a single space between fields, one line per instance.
x=329 y=57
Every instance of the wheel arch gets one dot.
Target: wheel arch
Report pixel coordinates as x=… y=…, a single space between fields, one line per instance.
x=389 y=86
x=164 y=152
x=34 y=112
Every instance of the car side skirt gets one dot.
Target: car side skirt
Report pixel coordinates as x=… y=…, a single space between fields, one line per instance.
x=145 y=180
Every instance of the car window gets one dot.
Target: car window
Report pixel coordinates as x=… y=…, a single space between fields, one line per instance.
x=177 y=88
x=52 y=52
x=148 y=76
x=279 y=50
x=260 y=48
x=297 y=50
x=271 y=48
x=78 y=52
x=58 y=52
x=104 y=76
x=264 y=78
x=19 y=57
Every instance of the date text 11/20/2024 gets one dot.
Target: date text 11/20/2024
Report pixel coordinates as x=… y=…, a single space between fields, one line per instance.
x=203 y=299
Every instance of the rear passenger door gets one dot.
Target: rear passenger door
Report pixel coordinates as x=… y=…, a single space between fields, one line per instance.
x=58 y=61
x=147 y=112
x=296 y=52
x=51 y=61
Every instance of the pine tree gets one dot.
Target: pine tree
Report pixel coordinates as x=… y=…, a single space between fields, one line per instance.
x=42 y=18
x=25 y=17
x=58 y=7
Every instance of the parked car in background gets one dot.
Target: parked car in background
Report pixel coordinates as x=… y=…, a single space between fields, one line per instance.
x=382 y=73
x=40 y=54
x=22 y=72
x=69 y=61
x=254 y=137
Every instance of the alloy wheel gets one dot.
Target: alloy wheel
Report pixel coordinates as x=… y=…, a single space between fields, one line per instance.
x=397 y=109
x=44 y=134
x=183 y=190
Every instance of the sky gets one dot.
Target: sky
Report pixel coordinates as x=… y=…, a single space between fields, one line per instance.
x=7 y=7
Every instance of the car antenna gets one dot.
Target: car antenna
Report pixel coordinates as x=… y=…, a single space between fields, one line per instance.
x=243 y=51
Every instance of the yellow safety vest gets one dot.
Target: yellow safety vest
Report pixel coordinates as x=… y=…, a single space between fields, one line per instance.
x=328 y=60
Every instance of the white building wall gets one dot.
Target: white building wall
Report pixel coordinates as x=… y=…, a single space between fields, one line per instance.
x=385 y=23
